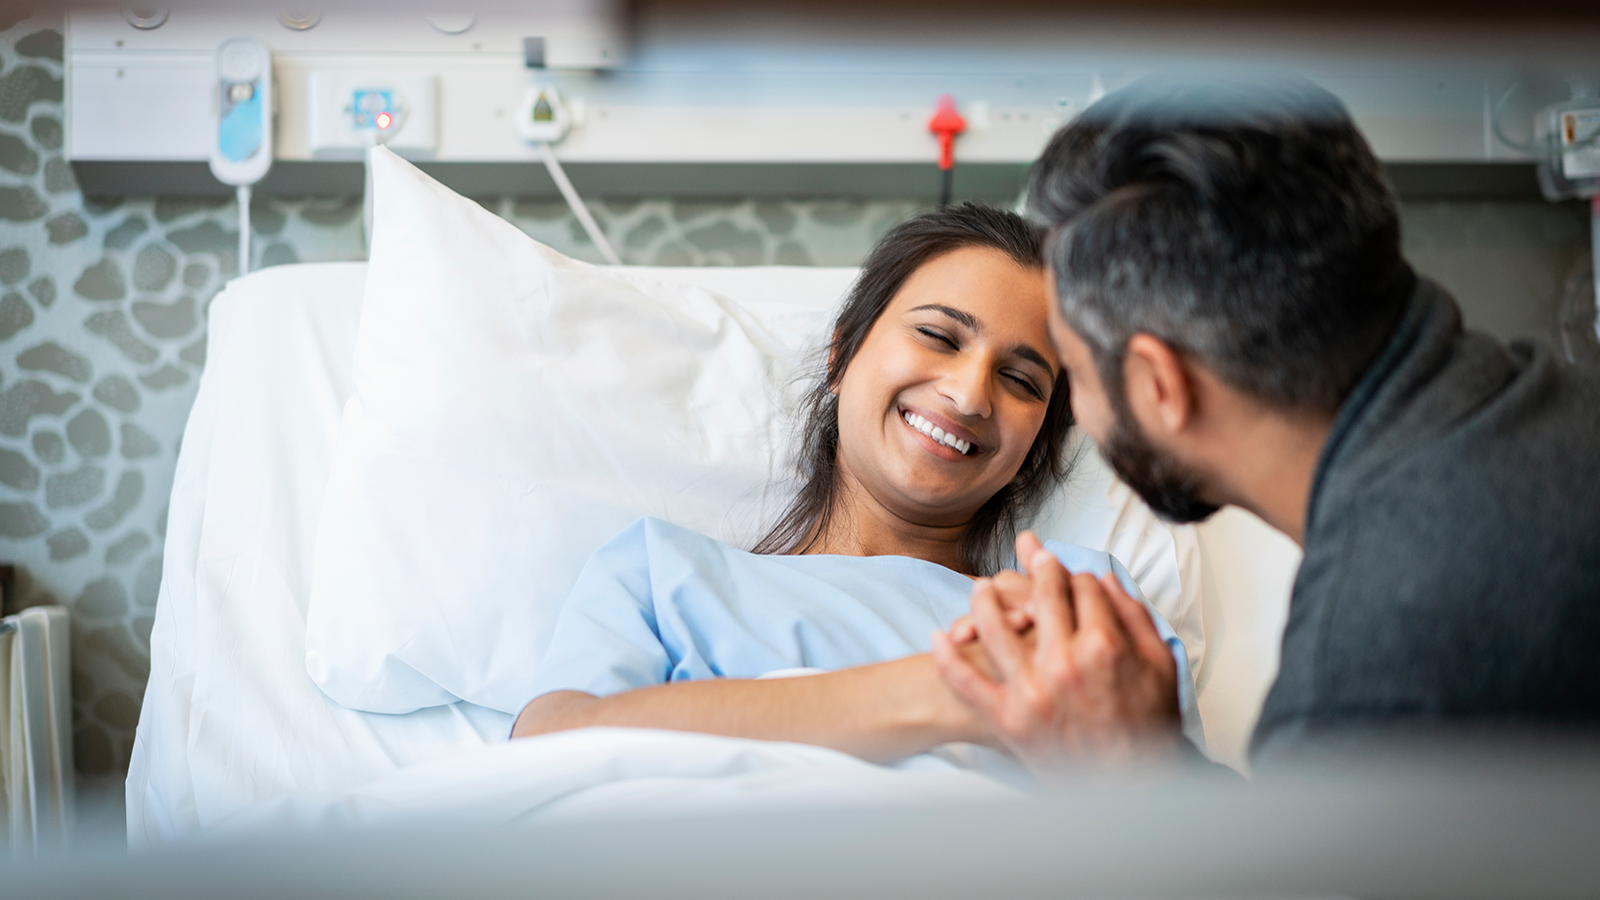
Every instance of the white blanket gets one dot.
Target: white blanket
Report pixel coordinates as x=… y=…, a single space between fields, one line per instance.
x=627 y=772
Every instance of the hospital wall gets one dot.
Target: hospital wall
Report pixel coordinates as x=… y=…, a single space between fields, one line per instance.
x=102 y=339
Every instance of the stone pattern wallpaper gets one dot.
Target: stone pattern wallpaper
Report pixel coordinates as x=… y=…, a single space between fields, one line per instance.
x=103 y=321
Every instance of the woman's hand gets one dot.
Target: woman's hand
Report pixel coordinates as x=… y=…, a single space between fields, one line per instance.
x=1012 y=591
x=1090 y=681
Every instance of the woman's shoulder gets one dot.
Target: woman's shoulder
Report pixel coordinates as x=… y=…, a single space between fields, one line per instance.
x=1078 y=558
x=660 y=538
x=650 y=545
x=651 y=536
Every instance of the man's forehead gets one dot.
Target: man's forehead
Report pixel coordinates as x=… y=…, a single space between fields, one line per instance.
x=1069 y=344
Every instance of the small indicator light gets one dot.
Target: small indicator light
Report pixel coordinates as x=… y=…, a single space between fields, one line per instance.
x=383 y=120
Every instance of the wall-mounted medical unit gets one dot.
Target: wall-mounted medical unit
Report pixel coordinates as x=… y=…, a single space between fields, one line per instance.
x=645 y=114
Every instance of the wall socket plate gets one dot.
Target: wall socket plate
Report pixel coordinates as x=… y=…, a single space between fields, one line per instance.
x=344 y=108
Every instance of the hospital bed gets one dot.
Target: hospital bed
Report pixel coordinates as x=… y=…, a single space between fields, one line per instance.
x=234 y=731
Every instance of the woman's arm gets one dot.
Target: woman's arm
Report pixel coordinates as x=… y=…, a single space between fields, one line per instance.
x=878 y=712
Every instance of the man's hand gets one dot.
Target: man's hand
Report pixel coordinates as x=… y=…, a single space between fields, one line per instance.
x=1089 y=681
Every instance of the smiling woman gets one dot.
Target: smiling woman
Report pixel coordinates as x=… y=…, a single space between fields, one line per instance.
x=943 y=342
x=937 y=425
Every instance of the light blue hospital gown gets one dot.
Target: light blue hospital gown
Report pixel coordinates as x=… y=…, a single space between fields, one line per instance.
x=662 y=603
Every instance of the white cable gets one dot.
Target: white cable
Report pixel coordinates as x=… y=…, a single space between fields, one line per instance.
x=243 y=193
x=366 y=195
x=576 y=202
x=1594 y=256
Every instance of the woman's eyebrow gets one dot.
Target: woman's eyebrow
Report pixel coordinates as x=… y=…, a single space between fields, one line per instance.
x=1026 y=352
x=964 y=318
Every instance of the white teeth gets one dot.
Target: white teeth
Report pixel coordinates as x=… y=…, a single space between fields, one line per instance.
x=938 y=434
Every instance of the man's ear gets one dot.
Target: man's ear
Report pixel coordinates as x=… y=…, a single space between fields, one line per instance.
x=1159 y=385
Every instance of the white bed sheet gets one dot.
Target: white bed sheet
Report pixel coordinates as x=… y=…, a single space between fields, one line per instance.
x=601 y=773
x=231 y=722
x=229 y=717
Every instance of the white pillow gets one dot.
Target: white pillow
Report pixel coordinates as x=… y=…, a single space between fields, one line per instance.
x=513 y=410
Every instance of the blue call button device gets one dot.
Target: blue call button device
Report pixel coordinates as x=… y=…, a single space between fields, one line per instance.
x=239 y=132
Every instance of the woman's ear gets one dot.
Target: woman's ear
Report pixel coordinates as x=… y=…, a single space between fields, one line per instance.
x=1158 y=384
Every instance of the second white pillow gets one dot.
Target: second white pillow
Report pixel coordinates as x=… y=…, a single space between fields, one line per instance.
x=513 y=409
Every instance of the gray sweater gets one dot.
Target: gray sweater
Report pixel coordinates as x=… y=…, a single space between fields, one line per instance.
x=1452 y=547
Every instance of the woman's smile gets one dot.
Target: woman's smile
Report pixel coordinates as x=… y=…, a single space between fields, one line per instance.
x=941 y=434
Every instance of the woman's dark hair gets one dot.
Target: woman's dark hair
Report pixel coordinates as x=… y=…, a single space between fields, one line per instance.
x=986 y=545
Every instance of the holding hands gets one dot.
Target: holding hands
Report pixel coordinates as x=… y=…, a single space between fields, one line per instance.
x=1071 y=669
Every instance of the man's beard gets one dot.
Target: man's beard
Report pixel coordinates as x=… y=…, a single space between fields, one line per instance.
x=1164 y=484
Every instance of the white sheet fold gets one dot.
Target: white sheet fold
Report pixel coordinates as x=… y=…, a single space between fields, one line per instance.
x=610 y=772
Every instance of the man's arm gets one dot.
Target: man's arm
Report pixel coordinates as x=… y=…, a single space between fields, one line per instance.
x=1090 y=680
x=878 y=712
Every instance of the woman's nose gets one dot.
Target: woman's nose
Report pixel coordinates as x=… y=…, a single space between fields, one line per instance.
x=967 y=386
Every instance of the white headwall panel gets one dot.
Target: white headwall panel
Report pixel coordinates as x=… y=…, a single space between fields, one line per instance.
x=144 y=95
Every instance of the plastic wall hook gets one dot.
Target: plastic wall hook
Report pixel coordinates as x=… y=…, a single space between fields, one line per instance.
x=945 y=125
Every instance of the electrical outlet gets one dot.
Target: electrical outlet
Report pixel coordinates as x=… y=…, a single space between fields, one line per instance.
x=351 y=111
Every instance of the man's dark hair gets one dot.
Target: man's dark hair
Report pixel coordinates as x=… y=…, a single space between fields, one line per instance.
x=1245 y=223
x=906 y=248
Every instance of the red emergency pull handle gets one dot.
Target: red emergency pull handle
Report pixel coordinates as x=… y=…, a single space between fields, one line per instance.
x=946 y=124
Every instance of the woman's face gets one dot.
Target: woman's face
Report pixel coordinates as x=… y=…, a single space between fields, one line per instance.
x=943 y=400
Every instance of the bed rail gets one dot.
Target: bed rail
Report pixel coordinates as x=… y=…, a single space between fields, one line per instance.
x=36 y=774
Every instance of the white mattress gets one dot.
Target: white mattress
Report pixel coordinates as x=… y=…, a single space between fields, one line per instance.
x=230 y=718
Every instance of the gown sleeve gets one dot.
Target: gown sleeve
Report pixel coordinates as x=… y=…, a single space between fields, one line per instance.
x=607 y=638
